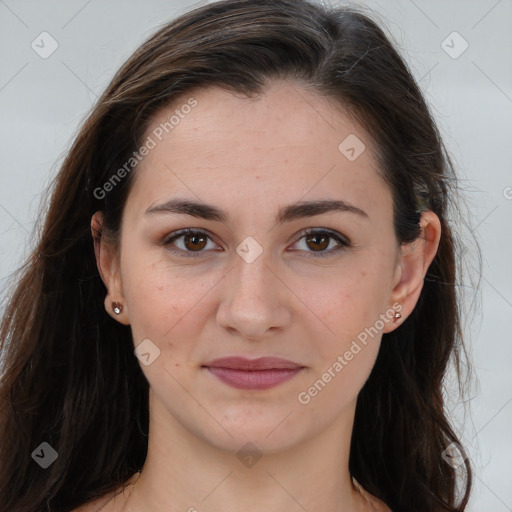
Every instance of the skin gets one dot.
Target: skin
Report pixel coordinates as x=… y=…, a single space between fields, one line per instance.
x=250 y=158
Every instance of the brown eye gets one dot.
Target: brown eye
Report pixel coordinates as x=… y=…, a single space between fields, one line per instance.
x=189 y=243
x=194 y=241
x=322 y=242
x=318 y=241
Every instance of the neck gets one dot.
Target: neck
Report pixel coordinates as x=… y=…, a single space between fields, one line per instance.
x=185 y=473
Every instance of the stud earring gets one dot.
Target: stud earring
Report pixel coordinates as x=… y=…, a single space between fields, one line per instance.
x=397 y=317
x=117 y=307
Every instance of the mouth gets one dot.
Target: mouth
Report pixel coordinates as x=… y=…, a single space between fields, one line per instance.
x=254 y=374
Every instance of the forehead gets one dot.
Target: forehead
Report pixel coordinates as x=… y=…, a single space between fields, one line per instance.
x=285 y=144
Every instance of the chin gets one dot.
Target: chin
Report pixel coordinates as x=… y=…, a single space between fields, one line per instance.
x=254 y=440
x=269 y=431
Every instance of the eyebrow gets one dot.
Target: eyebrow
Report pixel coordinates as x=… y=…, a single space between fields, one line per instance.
x=288 y=213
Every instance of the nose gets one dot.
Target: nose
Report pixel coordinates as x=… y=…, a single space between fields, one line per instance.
x=255 y=302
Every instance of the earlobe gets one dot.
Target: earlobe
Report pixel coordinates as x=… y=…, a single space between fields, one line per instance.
x=108 y=267
x=413 y=265
x=116 y=310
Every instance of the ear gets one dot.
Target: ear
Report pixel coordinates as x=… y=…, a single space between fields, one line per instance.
x=412 y=266
x=107 y=261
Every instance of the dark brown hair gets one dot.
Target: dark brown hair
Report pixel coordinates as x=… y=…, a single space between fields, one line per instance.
x=69 y=375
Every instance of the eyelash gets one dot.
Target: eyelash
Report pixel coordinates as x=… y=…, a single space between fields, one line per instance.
x=342 y=241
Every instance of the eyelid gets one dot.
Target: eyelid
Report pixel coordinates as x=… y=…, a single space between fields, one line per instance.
x=334 y=234
x=342 y=241
x=183 y=232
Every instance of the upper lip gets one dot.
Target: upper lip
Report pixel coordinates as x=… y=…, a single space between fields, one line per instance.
x=261 y=363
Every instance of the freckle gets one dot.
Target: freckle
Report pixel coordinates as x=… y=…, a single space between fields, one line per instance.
x=177 y=365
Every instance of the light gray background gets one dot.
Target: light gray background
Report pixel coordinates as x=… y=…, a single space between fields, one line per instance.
x=42 y=102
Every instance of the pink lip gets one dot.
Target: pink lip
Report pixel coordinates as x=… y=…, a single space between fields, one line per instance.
x=261 y=373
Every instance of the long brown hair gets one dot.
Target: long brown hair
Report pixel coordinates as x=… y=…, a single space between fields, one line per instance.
x=69 y=375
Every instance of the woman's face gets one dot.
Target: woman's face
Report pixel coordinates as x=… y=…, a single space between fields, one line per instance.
x=252 y=283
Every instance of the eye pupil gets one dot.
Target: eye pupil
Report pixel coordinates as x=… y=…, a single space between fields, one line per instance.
x=317 y=236
x=195 y=238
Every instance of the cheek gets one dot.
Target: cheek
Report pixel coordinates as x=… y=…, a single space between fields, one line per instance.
x=351 y=309
x=162 y=300
x=347 y=353
x=350 y=300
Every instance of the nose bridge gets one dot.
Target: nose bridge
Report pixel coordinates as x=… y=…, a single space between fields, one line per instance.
x=252 y=303
x=252 y=274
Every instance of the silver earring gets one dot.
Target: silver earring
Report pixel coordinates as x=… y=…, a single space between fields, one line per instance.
x=117 y=307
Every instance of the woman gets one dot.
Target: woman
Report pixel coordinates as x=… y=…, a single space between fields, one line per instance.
x=243 y=295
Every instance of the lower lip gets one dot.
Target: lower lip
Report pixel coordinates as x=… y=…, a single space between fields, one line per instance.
x=256 y=379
